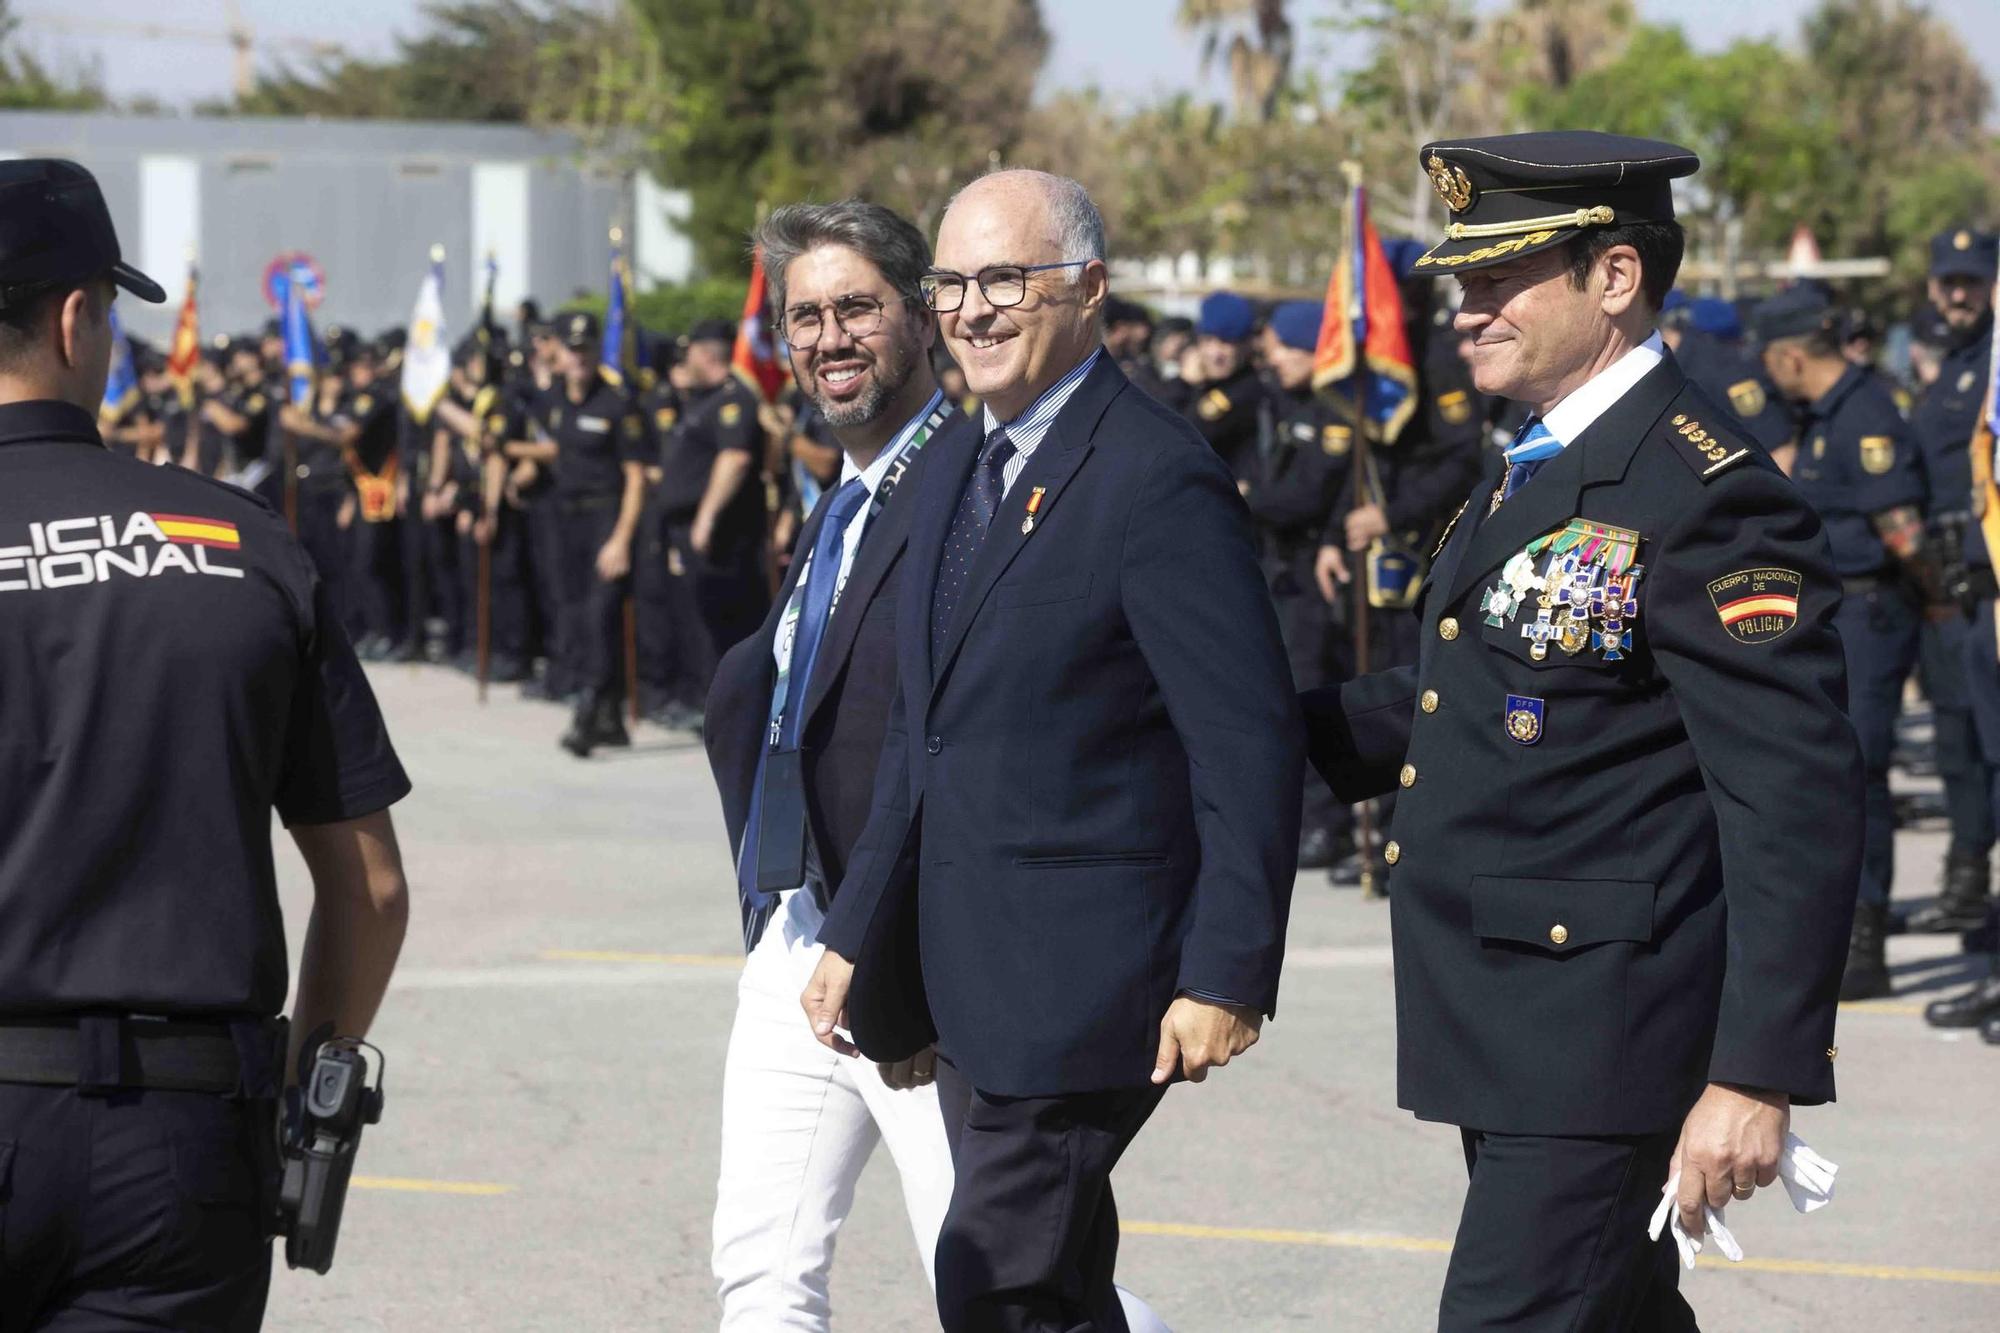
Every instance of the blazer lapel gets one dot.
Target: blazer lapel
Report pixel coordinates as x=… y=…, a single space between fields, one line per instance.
x=943 y=481
x=880 y=545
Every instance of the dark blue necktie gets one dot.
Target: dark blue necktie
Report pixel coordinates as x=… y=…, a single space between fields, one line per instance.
x=1533 y=446
x=968 y=533
x=815 y=609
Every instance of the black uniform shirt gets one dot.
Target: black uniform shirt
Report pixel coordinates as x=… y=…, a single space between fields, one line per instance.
x=1855 y=461
x=376 y=411
x=1730 y=376
x=1301 y=480
x=173 y=671
x=1943 y=420
x=594 y=438
x=256 y=409
x=718 y=419
x=1225 y=413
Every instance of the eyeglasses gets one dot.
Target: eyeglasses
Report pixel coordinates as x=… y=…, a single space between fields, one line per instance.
x=1002 y=285
x=856 y=315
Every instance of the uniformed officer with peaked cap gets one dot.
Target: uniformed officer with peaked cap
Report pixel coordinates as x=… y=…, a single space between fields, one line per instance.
x=1626 y=841
x=1860 y=470
x=173 y=671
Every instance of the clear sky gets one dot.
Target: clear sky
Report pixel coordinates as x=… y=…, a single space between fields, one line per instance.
x=1128 y=47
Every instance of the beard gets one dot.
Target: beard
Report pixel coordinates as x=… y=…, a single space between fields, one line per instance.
x=886 y=377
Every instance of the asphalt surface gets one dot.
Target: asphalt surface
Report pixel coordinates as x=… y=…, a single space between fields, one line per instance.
x=556 y=1036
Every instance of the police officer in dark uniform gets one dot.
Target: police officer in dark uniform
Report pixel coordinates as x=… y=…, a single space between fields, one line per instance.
x=370 y=422
x=1223 y=403
x=598 y=447
x=1303 y=456
x=713 y=497
x=1860 y=470
x=158 y=625
x=237 y=414
x=1625 y=846
x=1727 y=372
x=320 y=488
x=673 y=644
x=1943 y=419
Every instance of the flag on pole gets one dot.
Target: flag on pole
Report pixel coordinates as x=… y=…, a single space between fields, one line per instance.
x=121 y=386
x=301 y=353
x=1985 y=443
x=185 y=353
x=755 y=357
x=426 y=355
x=489 y=332
x=1364 y=351
x=617 y=354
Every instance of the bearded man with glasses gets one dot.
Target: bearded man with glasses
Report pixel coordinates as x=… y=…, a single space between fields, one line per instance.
x=1079 y=860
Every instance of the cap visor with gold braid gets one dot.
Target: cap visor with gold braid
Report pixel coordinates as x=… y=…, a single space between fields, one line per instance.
x=1515 y=194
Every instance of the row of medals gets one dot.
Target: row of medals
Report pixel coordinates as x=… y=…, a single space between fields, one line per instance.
x=1569 y=597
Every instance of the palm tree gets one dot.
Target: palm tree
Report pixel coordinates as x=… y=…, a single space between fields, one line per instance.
x=1260 y=58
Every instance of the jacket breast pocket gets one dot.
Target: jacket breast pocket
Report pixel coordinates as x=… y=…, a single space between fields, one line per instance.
x=1562 y=916
x=1043 y=592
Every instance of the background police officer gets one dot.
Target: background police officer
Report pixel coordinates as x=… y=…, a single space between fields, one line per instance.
x=1705 y=336
x=1857 y=466
x=716 y=461
x=1220 y=381
x=157 y=625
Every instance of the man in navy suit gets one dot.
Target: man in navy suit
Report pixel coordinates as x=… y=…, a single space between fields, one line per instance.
x=1080 y=858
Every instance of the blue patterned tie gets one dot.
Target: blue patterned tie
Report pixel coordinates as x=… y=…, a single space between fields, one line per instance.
x=968 y=534
x=1533 y=446
x=815 y=609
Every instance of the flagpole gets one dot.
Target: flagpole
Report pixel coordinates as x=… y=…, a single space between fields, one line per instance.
x=1361 y=470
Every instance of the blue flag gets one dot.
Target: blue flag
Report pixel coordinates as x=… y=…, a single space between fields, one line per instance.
x=301 y=352
x=121 y=386
x=613 y=357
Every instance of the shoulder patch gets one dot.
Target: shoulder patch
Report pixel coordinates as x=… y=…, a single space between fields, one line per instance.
x=1213 y=404
x=1336 y=438
x=634 y=428
x=1709 y=454
x=365 y=404
x=256 y=403
x=1747 y=397
x=1455 y=406
x=1757 y=605
x=730 y=414
x=1878 y=454
x=664 y=417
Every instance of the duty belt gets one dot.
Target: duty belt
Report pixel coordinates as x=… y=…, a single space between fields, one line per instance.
x=99 y=1052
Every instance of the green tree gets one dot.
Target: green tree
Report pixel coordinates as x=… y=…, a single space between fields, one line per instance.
x=27 y=84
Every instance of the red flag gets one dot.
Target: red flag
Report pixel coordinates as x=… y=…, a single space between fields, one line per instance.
x=1362 y=332
x=184 y=353
x=754 y=357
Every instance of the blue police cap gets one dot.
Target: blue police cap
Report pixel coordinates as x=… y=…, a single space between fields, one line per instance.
x=1963 y=252
x=1297 y=324
x=1793 y=313
x=1517 y=194
x=55 y=229
x=1677 y=300
x=1715 y=317
x=1227 y=316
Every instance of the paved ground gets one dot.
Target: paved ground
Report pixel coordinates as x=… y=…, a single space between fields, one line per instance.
x=556 y=1039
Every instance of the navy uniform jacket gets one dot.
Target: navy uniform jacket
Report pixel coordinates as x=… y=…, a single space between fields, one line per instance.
x=1301 y=478
x=1943 y=421
x=1094 y=790
x=848 y=698
x=1856 y=460
x=1225 y=413
x=1615 y=881
x=1733 y=378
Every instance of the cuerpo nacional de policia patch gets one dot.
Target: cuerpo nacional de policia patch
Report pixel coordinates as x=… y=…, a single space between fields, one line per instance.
x=1757 y=605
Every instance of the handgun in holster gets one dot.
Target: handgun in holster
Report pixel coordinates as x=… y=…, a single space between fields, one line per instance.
x=323 y=1119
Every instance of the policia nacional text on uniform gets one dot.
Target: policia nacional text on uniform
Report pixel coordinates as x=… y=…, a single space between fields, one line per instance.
x=156 y=624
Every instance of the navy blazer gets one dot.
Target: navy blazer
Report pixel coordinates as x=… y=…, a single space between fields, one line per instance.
x=847 y=700
x=1090 y=801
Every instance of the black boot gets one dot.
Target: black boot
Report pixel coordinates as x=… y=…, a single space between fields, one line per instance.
x=582 y=733
x=1969 y=1010
x=1867 y=975
x=1317 y=849
x=1965 y=889
x=1989 y=1031
x=609 y=724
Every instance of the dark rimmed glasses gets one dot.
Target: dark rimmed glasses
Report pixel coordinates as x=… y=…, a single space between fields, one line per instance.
x=857 y=315
x=1002 y=285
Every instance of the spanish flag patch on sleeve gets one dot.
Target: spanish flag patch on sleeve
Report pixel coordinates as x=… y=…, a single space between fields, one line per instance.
x=189 y=531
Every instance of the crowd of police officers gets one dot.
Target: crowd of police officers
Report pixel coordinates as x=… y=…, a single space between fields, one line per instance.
x=606 y=538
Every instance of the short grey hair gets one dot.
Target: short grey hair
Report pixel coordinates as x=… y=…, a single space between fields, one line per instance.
x=882 y=236
x=1073 y=215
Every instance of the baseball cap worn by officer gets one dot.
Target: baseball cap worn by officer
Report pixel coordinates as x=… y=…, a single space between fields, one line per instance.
x=55 y=230
x=1512 y=195
x=579 y=330
x=1227 y=316
x=1965 y=253
x=1296 y=324
x=1796 y=312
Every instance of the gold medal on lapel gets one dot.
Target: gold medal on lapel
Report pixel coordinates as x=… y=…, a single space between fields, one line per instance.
x=1034 y=507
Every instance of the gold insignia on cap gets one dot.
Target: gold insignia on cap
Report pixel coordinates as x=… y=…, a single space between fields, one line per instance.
x=1451 y=182
x=1878 y=454
x=1962 y=241
x=1747 y=396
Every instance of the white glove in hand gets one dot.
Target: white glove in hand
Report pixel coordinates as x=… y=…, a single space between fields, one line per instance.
x=1808 y=1179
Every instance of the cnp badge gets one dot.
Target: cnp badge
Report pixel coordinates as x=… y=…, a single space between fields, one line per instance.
x=1878 y=454
x=1336 y=439
x=1455 y=406
x=1757 y=605
x=730 y=414
x=1524 y=719
x=1747 y=397
x=1213 y=404
x=1451 y=182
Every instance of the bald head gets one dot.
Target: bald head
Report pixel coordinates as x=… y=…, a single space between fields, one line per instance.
x=1013 y=352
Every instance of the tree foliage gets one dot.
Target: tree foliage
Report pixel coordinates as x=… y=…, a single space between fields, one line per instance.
x=29 y=84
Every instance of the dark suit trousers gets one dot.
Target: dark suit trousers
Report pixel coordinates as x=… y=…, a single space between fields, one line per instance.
x=1553 y=1237
x=1031 y=1237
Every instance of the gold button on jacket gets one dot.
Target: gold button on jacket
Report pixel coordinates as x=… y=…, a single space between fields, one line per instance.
x=1393 y=852
x=1409 y=775
x=1429 y=701
x=1558 y=933
x=1448 y=628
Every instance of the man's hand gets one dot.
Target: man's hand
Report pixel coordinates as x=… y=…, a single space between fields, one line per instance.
x=1364 y=525
x=614 y=560
x=1730 y=1145
x=915 y=1072
x=1199 y=1035
x=1330 y=570
x=483 y=529
x=701 y=535
x=825 y=1001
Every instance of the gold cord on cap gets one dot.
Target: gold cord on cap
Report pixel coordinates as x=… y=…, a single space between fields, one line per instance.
x=1582 y=217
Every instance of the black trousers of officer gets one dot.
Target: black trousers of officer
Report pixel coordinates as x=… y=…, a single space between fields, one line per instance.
x=515 y=631
x=321 y=534
x=729 y=596
x=376 y=569
x=1553 y=1236
x=545 y=559
x=135 y=1210
x=1393 y=640
x=1968 y=778
x=449 y=581
x=1305 y=626
x=418 y=553
x=1878 y=630
x=1030 y=1240
x=654 y=609
x=593 y=613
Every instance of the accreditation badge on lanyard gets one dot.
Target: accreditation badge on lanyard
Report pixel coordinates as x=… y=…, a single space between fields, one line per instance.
x=781 y=826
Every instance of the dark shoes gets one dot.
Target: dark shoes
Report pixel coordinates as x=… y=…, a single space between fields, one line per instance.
x=1867 y=975
x=1964 y=893
x=598 y=720
x=1976 y=1008
x=1318 y=849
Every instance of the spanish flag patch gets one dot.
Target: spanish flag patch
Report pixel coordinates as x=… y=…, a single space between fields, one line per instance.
x=189 y=531
x=1757 y=605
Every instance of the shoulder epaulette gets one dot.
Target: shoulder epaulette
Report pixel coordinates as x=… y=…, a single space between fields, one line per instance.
x=1709 y=453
